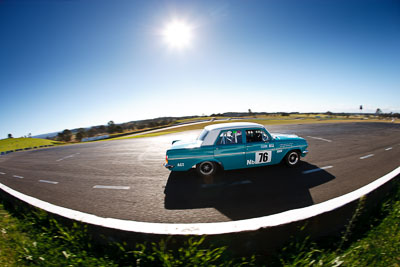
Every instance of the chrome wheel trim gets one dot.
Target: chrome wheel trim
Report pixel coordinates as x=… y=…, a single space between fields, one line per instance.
x=206 y=167
x=293 y=158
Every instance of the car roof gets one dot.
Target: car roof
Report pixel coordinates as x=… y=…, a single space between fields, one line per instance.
x=215 y=129
x=230 y=125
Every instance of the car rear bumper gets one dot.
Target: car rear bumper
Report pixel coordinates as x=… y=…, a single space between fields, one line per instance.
x=169 y=166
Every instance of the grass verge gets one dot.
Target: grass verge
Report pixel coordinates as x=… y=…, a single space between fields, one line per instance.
x=34 y=238
x=367 y=241
x=143 y=135
x=12 y=144
x=264 y=120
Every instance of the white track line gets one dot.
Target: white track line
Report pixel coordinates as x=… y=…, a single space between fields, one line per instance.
x=319 y=138
x=2 y=173
x=255 y=224
x=48 y=182
x=389 y=148
x=67 y=157
x=317 y=169
x=367 y=156
x=112 y=187
x=17 y=176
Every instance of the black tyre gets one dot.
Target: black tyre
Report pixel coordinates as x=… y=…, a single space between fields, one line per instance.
x=206 y=168
x=292 y=158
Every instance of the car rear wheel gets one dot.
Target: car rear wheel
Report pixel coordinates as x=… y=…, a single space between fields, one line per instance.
x=292 y=158
x=206 y=168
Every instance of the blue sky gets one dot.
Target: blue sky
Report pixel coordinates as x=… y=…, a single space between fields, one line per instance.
x=69 y=64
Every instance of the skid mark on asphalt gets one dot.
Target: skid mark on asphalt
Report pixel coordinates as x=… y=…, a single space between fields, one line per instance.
x=241 y=182
x=317 y=169
x=48 y=182
x=226 y=184
x=367 y=156
x=117 y=187
x=319 y=138
x=17 y=176
x=67 y=157
x=146 y=157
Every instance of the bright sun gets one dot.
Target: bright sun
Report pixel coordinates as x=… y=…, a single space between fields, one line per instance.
x=177 y=34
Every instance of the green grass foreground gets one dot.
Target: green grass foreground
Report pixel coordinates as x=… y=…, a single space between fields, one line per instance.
x=12 y=144
x=33 y=238
x=367 y=241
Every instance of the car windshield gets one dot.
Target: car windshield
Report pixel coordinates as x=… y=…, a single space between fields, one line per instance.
x=202 y=135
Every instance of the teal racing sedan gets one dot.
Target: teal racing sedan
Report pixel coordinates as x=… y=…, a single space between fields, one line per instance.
x=232 y=146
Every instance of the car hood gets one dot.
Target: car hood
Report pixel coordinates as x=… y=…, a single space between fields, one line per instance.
x=285 y=137
x=179 y=144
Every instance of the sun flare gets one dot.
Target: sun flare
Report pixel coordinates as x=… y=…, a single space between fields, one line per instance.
x=178 y=34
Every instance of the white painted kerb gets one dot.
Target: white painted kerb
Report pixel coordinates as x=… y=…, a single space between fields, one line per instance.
x=207 y=228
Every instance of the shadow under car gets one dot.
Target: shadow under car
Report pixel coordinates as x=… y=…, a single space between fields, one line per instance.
x=246 y=193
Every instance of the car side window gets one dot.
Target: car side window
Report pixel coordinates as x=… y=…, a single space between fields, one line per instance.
x=253 y=136
x=230 y=137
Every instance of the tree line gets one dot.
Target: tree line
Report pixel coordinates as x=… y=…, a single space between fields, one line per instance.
x=111 y=128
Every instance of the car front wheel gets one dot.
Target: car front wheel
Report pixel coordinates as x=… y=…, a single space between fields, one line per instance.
x=292 y=158
x=206 y=168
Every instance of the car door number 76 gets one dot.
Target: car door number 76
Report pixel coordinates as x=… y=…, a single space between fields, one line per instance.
x=263 y=156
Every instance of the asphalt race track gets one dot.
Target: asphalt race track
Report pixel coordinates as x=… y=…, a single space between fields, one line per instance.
x=125 y=179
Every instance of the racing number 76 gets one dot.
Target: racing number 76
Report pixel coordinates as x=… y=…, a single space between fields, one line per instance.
x=263 y=157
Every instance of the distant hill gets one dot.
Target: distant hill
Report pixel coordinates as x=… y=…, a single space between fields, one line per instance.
x=46 y=135
x=151 y=123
